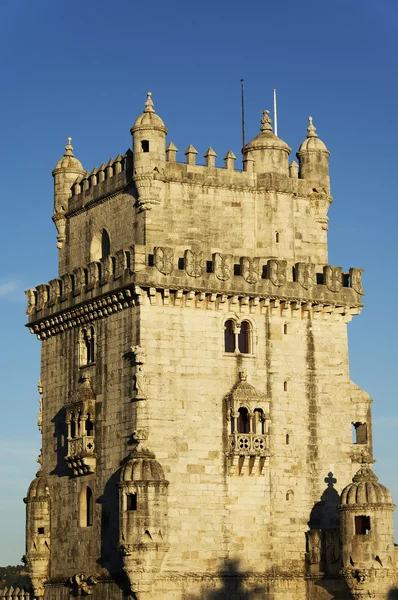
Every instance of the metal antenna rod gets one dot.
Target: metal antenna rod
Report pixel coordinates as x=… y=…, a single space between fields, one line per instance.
x=243 y=113
x=275 y=116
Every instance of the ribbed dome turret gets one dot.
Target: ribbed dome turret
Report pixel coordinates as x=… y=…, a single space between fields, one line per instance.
x=69 y=161
x=312 y=143
x=38 y=488
x=149 y=119
x=142 y=466
x=365 y=489
x=268 y=152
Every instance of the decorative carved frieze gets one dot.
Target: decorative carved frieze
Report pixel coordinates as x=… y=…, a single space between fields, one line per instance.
x=277 y=272
x=222 y=265
x=194 y=264
x=305 y=274
x=333 y=278
x=163 y=259
x=250 y=269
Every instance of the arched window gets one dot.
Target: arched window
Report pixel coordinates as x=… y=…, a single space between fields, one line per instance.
x=289 y=496
x=258 y=421
x=87 y=346
x=100 y=245
x=285 y=386
x=244 y=338
x=89 y=425
x=229 y=336
x=105 y=244
x=287 y=439
x=86 y=508
x=285 y=329
x=243 y=420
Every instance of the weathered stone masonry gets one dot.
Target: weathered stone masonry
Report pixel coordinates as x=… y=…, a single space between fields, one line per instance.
x=197 y=411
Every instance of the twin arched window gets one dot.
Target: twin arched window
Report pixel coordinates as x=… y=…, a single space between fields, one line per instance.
x=238 y=337
x=249 y=423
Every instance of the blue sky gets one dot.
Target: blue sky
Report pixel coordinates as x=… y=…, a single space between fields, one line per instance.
x=82 y=69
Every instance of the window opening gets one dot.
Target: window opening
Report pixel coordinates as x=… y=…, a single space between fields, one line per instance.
x=40 y=530
x=105 y=244
x=73 y=428
x=145 y=145
x=362 y=525
x=285 y=329
x=359 y=433
x=229 y=336
x=244 y=338
x=287 y=439
x=277 y=237
x=89 y=425
x=131 y=501
x=285 y=386
x=289 y=496
x=243 y=420
x=89 y=507
x=258 y=421
x=87 y=346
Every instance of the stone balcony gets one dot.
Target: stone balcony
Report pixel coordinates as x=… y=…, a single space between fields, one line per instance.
x=81 y=457
x=248 y=453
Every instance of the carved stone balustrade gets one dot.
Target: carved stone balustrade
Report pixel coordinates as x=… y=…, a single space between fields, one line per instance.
x=81 y=456
x=249 y=444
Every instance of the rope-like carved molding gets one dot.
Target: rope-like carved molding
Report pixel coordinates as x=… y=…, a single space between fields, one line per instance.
x=85 y=313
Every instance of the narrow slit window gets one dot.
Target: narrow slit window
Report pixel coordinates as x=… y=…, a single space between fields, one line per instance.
x=105 y=244
x=229 y=336
x=131 y=501
x=277 y=237
x=285 y=386
x=89 y=507
x=285 y=329
x=89 y=426
x=362 y=525
x=287 y=439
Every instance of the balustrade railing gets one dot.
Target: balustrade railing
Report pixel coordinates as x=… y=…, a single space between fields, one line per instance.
x=249 y=444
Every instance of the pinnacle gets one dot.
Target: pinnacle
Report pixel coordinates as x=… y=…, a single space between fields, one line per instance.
x=149 y=104
x=311 y=129
x=69 y=148
x=266 y=121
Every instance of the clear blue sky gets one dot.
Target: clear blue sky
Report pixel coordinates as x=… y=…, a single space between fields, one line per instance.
x=82 y=69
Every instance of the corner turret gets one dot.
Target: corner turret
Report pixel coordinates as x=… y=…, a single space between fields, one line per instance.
x=149 y=137
x=313 y=157
x=367 y=535
x=37 y=557
x=66 y=171
x=268 y=152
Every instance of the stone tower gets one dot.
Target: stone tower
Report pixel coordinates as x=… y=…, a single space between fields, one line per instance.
x=198 y=417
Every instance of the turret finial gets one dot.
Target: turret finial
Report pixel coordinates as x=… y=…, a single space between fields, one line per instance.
x=311 y=129
x=69 y=148
x=149 y=104
x=266 y=121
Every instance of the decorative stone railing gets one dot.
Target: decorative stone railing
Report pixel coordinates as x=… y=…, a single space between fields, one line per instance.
x=249 y=444
x=81 y=455
x=16 y=594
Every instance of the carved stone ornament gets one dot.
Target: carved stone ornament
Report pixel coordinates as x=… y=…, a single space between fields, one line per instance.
x=356 y=280
x=222 y=266
x=277 y=272
x=333 y=278
x=250 y=269
x=139 y=380
x=193 y=261
x=314 y=539
x=148 y=189
x=305 y=273
x=81 y=584
x=163 y=259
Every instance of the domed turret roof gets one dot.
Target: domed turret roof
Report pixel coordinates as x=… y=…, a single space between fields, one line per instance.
x=149 y=119
x=140 y=467
x=365 y=489
x=312 y=143
x=69 y=161
x=38 y=488
x=266 y=138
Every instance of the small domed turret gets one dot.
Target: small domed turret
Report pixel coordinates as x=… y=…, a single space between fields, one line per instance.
x=367 y=535
x=313 y=158
x=149 y=137
x=37 y=555
x=268 y=152
x=143 y=518
x=67 y=169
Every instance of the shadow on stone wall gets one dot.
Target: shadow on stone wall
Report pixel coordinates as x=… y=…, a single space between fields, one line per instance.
x=232 y=587
x=61 y=439
x=110 y=557
x=323 y=542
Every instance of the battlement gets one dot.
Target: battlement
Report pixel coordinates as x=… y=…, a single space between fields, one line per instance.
x=167 y=268
x=104 y=181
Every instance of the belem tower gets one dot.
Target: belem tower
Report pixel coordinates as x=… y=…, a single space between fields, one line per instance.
x=201 y=436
